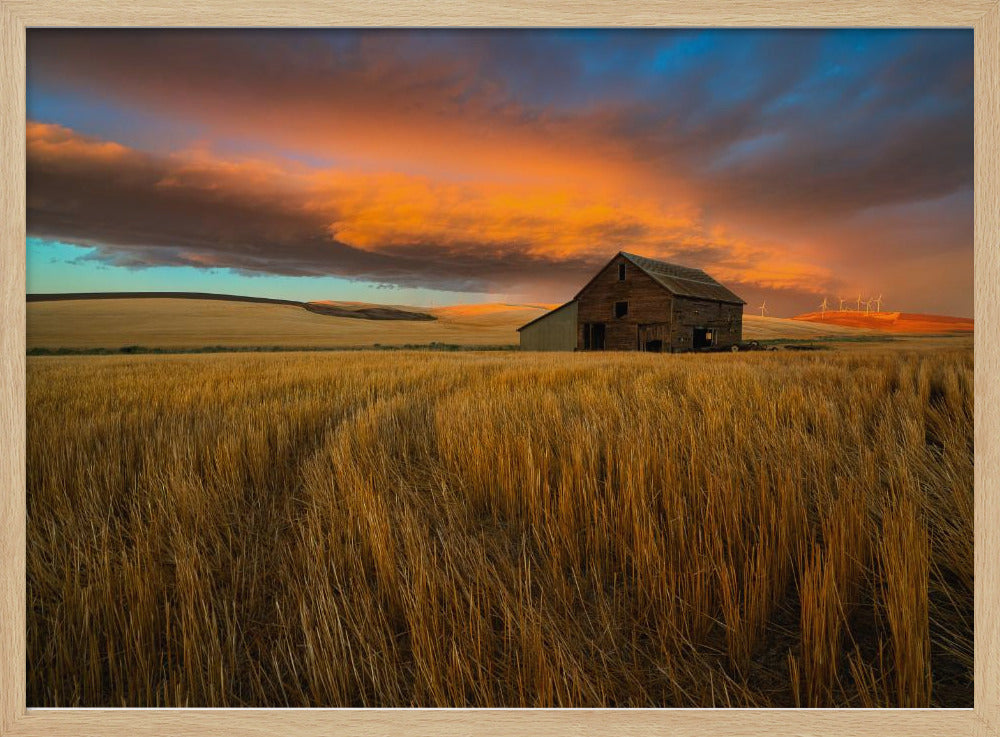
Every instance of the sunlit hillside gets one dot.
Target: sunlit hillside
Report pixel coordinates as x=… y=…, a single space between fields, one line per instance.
x=894 y=322
x=756 y=327
x=192 y=323
x=197 y=323
x=493 y=314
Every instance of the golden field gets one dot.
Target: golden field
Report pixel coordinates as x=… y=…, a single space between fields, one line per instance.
x=483 y=529
x=195 y=324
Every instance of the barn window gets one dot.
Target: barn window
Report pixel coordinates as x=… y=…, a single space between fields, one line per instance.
x=621 y=272
x=621 y=309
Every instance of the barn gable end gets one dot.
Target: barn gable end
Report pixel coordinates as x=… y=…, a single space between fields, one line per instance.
x=553 y=331
x=645 y=300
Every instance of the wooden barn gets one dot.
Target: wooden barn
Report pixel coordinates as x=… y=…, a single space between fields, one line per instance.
x=640 y=304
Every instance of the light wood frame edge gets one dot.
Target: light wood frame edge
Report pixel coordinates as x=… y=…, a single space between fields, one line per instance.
x=981 y=15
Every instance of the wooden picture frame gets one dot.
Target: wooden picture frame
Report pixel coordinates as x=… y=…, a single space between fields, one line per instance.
x=981 y=15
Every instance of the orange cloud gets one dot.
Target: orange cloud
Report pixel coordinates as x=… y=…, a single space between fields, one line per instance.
x=499 y=161
x=200 y=209
x=56 y=143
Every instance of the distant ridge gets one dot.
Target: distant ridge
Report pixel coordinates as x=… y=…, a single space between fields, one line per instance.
x=893 y=322
x=320 y=308
x=55 y=296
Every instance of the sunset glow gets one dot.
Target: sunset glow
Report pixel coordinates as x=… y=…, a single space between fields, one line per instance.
x=485 y=166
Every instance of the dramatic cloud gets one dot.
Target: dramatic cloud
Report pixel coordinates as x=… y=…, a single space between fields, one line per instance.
x=194 y=210
x=791 y=164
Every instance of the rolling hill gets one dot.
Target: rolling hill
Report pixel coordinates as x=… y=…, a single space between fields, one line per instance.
x=359 y=310
x=910 y=323
x=192 y=321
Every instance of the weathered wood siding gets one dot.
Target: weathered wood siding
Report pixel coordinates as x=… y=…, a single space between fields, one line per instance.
x=725 y=320
x=648 y=302
x=655 y=317
x=555 y=331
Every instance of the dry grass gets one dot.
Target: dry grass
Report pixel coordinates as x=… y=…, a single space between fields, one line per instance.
x=501 y=530
x=193 y=323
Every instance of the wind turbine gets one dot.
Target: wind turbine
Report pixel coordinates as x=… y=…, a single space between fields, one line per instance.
x=822 y=307
x=841 y=303
x=763 y=308
x=859 y=303
x=878 y=303
x=868 y=305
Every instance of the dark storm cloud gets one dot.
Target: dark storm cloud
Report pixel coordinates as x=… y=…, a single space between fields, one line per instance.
x=138 y=210
x=813 y=132
x=489 y=159
x=804 y=120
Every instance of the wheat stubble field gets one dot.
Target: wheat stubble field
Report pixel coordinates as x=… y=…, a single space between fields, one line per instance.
x=373 y=529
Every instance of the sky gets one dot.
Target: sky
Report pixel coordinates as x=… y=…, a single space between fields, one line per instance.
x=433 y=167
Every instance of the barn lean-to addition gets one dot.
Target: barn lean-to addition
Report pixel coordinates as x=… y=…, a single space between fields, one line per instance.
x=641 y=304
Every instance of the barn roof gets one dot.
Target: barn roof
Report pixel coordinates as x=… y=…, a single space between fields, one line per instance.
x=683 y=281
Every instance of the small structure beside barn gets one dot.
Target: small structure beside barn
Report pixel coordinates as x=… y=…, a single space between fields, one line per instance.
x=641 y=304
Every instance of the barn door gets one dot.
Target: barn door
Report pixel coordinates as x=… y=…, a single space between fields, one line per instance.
x=597 y=338
x=651 y=338
x=593 y=336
